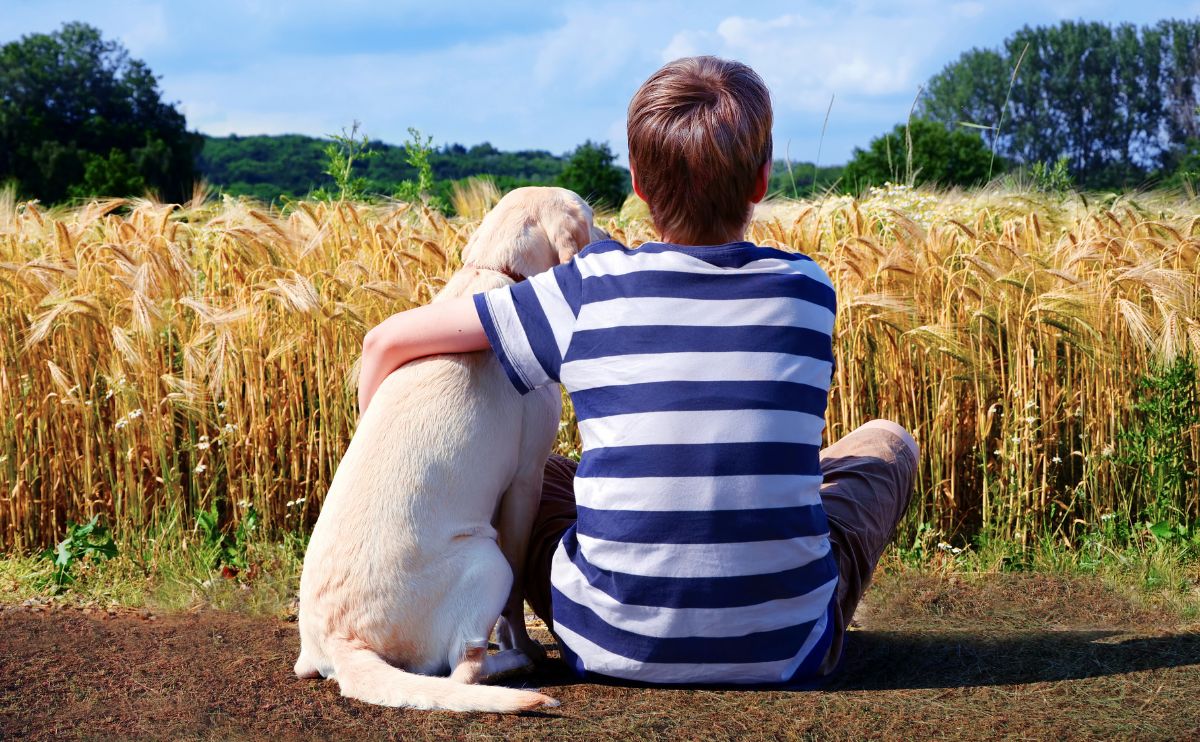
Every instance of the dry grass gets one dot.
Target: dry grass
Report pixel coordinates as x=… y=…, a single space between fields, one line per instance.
x=155 y=358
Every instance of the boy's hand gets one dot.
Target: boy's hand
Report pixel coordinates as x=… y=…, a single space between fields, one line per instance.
x=450 y=326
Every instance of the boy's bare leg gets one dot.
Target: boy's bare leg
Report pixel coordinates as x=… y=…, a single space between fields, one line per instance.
x=868 y=485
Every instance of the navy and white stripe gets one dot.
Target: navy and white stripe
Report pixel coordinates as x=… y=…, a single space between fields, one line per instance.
x=699 y=377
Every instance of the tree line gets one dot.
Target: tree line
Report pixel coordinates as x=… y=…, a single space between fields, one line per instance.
x=1119 y=103
x=1097 y=105
x=293 y=166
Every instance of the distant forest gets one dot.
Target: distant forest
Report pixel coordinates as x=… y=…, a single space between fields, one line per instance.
x=292 y=165
x=271 y=168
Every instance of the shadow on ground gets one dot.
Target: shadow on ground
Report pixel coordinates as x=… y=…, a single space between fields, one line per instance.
x=883 y=660
x=880 y=660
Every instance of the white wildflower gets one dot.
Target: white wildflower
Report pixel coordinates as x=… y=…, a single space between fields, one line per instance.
x=200 y=468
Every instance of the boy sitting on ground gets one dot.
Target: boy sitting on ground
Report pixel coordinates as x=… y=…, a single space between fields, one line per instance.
x=704 y=536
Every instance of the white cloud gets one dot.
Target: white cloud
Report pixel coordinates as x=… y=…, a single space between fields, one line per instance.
x=968 y=9
x=807 y=58
x=589 y=50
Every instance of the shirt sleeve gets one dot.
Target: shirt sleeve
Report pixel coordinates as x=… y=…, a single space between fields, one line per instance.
x=529 y=324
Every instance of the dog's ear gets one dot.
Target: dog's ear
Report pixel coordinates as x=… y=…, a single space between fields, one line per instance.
x=569 y=230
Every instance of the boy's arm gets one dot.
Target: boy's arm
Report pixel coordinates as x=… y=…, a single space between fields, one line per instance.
x=451 y=326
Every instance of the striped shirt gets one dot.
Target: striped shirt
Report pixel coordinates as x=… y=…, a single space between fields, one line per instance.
x=699 y=377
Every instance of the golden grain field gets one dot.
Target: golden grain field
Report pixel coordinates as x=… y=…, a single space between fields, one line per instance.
x=155 y=359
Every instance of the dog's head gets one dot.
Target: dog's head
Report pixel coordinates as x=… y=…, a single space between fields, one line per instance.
x=531 y=230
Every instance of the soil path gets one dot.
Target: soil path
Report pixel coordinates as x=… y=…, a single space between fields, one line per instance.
x=934 y=657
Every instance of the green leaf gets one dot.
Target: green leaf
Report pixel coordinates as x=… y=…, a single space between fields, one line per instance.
x=1162 y=531
x=65 y=553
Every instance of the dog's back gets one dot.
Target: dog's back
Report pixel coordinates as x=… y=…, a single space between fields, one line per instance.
x=403 y=569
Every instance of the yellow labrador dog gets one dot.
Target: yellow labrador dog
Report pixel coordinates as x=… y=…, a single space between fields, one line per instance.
x=403 y=569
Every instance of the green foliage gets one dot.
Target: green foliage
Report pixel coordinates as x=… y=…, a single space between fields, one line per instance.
x=417 y=153
x=1155 y=448
x=68 y=101
x=802 y=179
x=293 y=166
x=114 y=175
x=221 y=549
x=90 y=541
x=340 y=155
x=1184 y=168
x=590 y=172
x=938 y=156
x=1101 y=96
x=1054 y=178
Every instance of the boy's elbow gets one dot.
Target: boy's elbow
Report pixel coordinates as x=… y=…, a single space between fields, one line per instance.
x=375 y=345
x=370 y=340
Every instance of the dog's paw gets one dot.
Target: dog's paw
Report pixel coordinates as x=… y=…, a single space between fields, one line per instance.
x=506 y=664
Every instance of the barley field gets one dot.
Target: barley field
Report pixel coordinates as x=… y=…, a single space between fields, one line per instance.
x=157 y=359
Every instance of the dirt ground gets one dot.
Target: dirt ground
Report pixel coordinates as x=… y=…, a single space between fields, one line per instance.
x=998 y=656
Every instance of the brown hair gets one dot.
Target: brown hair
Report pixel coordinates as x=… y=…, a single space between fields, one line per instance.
x=699 y=130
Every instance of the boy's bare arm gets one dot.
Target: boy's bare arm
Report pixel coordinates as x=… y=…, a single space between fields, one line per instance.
x=451 y=326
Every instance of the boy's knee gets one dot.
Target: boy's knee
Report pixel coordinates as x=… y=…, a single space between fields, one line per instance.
x=898 y=431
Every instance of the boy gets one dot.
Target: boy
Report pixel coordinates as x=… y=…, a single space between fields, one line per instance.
x=704 y=536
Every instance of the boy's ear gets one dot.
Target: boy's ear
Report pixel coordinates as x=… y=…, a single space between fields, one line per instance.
x=762 y=182
x=633 y=179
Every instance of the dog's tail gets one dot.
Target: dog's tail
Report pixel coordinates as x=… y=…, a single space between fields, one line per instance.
x=364 y=675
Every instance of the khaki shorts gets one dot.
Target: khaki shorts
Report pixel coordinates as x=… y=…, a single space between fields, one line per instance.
x=867 y=488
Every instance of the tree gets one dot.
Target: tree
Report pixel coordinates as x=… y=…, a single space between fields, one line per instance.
x=1117 y=102
x=590 y=172
x=79 y=117
x=939 y=156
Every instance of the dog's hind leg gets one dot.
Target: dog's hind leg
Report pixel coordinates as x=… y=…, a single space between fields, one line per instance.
x=305 y=667
x=470 y=668
x=481 y=591
x=477 y=666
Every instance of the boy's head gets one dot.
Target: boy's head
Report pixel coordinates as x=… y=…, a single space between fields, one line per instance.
x=699 y=137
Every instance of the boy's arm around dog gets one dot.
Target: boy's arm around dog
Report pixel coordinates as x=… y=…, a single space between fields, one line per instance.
x=451 y=326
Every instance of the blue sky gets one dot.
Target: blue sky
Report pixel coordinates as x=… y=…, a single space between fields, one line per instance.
x=536 y=75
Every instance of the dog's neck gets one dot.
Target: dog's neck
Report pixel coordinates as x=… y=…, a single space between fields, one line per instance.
x=516 y=277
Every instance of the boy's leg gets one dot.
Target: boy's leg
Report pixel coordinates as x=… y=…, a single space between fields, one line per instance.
x=868 y=485
x=556 y=513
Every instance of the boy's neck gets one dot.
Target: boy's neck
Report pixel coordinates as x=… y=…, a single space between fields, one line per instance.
x=737 y=236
